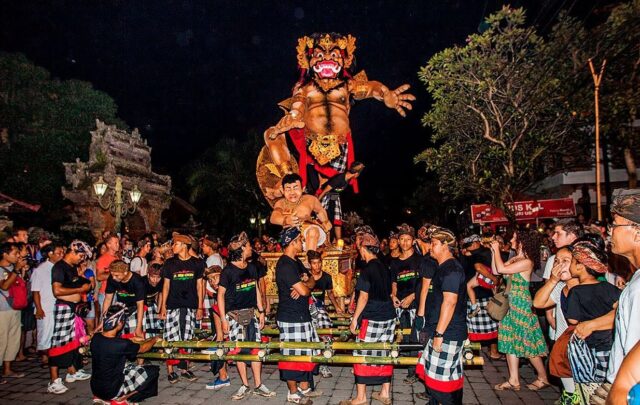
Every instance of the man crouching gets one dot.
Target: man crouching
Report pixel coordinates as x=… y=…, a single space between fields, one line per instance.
x=113 y=380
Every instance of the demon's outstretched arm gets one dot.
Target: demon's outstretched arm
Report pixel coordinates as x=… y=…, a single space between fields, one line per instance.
x=396 y=99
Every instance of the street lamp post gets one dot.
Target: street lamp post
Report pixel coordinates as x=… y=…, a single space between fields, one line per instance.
x=259 y=222
x=115 y=203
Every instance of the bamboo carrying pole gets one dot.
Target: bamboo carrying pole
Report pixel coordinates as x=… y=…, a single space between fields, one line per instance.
x=205 y=344
x=597 y=78
x=338 y=359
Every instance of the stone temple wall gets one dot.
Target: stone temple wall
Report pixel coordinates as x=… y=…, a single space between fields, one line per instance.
x=114 y=152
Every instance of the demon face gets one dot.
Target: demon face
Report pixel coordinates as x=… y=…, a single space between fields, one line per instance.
x=326 y=55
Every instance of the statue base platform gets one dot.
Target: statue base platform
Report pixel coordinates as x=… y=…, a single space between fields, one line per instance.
x=337 y=263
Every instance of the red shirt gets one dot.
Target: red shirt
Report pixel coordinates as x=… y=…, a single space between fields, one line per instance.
x=102 y=267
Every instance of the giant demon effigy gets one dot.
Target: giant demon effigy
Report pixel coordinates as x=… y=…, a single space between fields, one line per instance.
x=317 y=116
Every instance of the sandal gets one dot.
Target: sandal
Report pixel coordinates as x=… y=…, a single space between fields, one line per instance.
x=538 y=385
x=351 y=401
x=496 y=358
x=383 y=400
x=506 y=386
x=14 y=375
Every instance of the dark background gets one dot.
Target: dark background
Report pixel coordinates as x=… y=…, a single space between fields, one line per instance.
x=188 y=73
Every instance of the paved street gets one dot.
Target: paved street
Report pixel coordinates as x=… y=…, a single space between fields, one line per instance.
x=31 y=390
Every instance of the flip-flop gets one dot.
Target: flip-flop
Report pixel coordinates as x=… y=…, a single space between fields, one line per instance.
x=383 y=400
x=506 y=386
x=3 y=382
x=537 y=387
x=497 y=358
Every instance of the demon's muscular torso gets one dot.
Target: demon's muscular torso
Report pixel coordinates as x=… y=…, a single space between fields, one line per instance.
x=317 y=118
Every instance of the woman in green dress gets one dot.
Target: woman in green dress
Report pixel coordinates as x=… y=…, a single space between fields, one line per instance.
x=519 y=334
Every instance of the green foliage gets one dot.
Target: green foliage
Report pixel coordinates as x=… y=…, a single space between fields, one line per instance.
x=503 y=108
x=223 y=184
x=45 y=122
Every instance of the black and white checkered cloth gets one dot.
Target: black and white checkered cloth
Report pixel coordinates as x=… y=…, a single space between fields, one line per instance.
x=172 y=332
x=237 y=332
x=602 y=361
x=411 y=312
x=481 y=323
x=153 y=325
x=131 y=323
x=320 y=318
x=298 y=332
x=134 y=377
x=375 y=331
x=445 y=365
x=64 y=329
x=332 y=201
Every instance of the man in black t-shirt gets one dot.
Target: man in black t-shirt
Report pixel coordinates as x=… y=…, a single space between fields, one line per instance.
x=182 y=298
x=153 y=325
x=324 y=287
x=293 y=317
x=441 y=363
x=238 y=298
x=127 y=288
x=113 y=378
x=405 y=287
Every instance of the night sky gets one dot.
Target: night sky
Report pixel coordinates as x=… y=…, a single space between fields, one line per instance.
x=187 y=73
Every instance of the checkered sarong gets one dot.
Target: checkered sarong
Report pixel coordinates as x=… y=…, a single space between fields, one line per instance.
x=64 y=329
x=130 y=323
x=411 y=312
x=377 y=332
x=134 y=377
x=172 y=330
x=237 y=332
x=320 y=318
x=298 y=332
x=153 y=325
x=482 y=326
x=335 y=214
x=442 y=368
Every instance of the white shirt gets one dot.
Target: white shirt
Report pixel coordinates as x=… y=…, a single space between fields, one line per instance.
x=548 y=267
x=41 y=282
x=139 y=265
x=627 y=326
x=215 y=259
x=561 y=321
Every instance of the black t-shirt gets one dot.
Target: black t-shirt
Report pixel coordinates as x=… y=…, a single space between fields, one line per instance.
x=428 y=268
x=240 y=286
x=406 y=274
x=288 y=273
x=66 y=274
x=183 y=276
x=449 y=278
x=108 y=357
x=151 y=292
x=323 y=284
x=128 y=293
x=589 y=301
x=376 y=281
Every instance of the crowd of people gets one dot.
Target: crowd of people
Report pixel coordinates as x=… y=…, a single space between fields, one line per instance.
x=571 y=291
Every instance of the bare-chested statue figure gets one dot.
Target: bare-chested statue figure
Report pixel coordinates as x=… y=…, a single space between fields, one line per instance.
x=317 y=116
x=301 y=210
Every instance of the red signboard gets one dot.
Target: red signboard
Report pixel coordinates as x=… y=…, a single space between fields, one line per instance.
x=524 y=211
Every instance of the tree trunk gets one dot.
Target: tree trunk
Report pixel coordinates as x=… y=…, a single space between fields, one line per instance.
x=630 y=165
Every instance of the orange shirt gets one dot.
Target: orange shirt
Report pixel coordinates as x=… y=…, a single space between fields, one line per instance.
x=102 y=267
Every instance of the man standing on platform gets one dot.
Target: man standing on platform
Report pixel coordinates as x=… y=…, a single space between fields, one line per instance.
x=441 y=363
x=182 y=299
x=293 y=317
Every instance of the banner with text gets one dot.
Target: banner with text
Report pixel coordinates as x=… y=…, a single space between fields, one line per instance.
x=524 y=211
